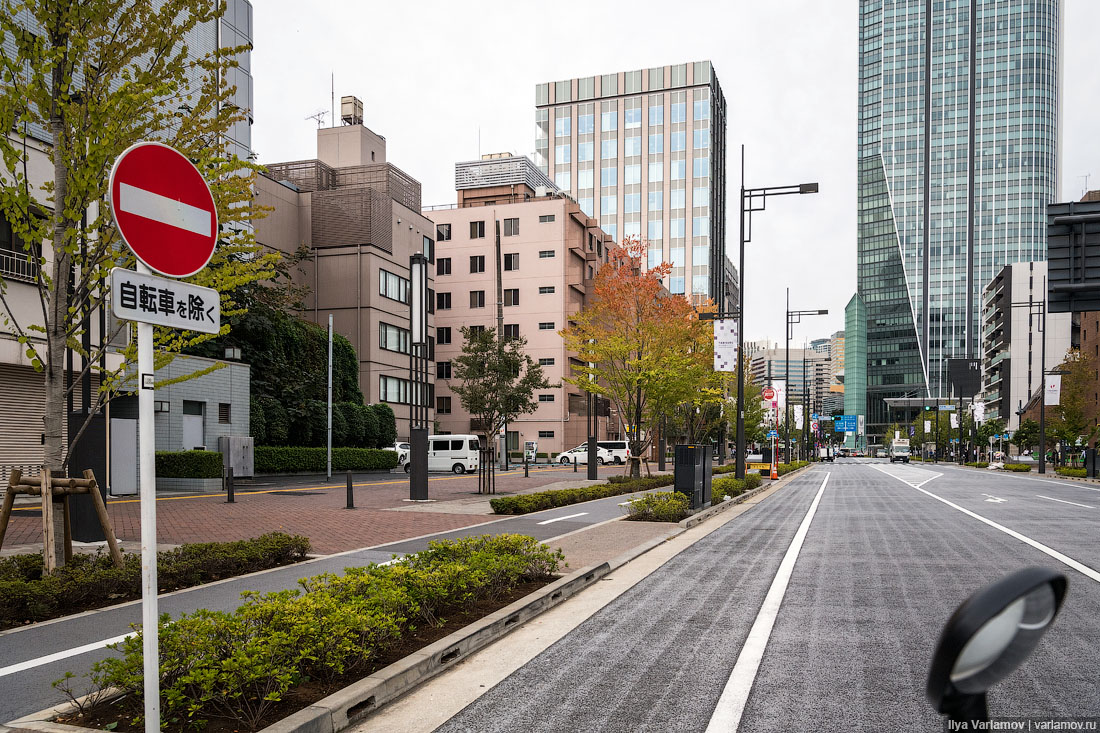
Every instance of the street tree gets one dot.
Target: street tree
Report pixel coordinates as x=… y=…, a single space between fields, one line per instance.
x=496 y=380
x=755 y=429
x=1070 y=421
x=93 y=77
x=633 y=344
x=1026 y=436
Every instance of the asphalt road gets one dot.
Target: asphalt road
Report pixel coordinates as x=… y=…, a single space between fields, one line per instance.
x=27 y=668
x=887 y=553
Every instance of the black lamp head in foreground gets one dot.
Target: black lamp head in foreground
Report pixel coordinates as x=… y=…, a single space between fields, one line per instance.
x=988 y=636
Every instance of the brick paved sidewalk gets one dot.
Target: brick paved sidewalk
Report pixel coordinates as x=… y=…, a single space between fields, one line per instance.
x=311 y=507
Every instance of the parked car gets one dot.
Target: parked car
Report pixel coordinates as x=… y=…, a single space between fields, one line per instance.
x=402 y=452
x=580 y=455
x=620 y=451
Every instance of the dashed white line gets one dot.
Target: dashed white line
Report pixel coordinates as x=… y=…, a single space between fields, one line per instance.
x=567 y=516
x=731 y=705
x=1063 y=501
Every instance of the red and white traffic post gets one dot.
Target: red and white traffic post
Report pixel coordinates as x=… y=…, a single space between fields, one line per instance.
x=165 y=214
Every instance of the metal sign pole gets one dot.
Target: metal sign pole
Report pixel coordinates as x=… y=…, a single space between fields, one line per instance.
x=148 y=479
x=328 y=451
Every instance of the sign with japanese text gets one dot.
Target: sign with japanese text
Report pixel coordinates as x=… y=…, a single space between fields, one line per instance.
x=1052 y=395
x=725 y=345
x=164 y=302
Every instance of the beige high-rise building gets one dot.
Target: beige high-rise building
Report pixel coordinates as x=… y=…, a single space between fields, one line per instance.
x=549 y=253
x=358 y=218
x=644 y=153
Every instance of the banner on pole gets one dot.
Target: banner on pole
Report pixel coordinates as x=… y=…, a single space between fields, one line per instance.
x=797 y=416
x=954 y=420
x=1052 y=395
x=927 y=426
x=725 y=345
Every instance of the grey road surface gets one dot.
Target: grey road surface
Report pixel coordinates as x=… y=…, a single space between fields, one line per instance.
x=26 y=689
x=882 y=567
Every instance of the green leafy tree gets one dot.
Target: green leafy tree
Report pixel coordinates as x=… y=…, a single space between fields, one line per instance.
x=755 y=429
x=496 y=380
x=1070 y=420
x=1026 y=436
x=99 y=76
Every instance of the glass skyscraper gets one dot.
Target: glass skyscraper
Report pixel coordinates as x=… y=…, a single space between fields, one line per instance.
x=644 y=152
x=958 y=158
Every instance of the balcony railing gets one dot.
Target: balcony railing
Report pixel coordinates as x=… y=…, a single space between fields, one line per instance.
x=18 y=266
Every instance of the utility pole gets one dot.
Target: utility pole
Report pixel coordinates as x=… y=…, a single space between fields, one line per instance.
x=500 y=322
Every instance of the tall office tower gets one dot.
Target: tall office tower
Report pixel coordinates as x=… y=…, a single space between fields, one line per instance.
x=644 y=153
x=958 y=158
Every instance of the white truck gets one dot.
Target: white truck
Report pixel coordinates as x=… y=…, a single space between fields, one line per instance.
x=899 y=450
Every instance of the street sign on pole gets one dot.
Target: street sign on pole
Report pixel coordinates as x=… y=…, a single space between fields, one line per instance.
x=767 y=394
x=725 y=345
x=165 y=214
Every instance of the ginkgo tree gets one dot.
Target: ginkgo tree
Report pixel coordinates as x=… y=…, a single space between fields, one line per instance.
x=634 y=344
x=80 y=81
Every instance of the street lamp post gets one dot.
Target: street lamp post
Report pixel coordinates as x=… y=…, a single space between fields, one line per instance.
x=793 y=317
x=1038 y=309
x=757 y=201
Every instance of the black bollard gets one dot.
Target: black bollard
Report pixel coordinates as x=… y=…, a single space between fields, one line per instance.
x=526 y=472
x=574 y=464
x=351 y=496
x=229 y=486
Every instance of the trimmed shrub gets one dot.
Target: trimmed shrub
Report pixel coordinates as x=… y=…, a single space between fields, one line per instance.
x=237 y=665
x=339 y=426
x=662 y=506
x=189 y=464
x=978 y=464
x=617 y=485
x=723 y=487
x=295 y=459
x=256 y=421
x=92 y=581
x=278 y=421
x=369 y=437
x=1018 y=467
x=387 y=425
x=355 y=415
x=1073 y=472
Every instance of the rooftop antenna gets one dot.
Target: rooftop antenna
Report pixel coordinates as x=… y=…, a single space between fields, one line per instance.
x=332 y=80
x=319 y=115
x=1086 y=177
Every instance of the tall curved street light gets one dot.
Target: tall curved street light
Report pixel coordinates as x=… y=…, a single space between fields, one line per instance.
x=752 y=199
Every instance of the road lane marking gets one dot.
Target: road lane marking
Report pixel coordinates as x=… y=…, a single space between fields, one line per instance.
x=150 y=205
x=1063 y=501
x=1064 y=559
x=558 y=519
x=995 y=499
x=1058 y=482
x=31 y=663
x=731 y=705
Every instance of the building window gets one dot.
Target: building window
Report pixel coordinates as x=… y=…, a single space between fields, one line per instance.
x=511 y=296
x=511 y=331
x=544 y=218
x=443 y=370
x=609 y=122
x=656 y=143
x=443 y=335
x=546 y=398
x=546 y=326
x=546 y=361
x=393 y=286
x=677 y=198
x=443 y=266
x=477 y=298
x=443 y=301
x=562 y=154
x=656 y=201
x=632 y=174
x=546 y=433
x=443 y=233
x=511 y=261
x=476 y=330
x=162 y=406
x=701 y=139
x=477 y=229
x=511 y=227
x=678 y=170
x=546 y=289
x=561 y=180
x=429 y=249
x=16 y=262
x=392 y=338
x=545 y=254
x=443 y=405
x=633 y=146
x=392 y=389
x=678 y=141
x=225 y=411
x=608 y=149
x=477 y=263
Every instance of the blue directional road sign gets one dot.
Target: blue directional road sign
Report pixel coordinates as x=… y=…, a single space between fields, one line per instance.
x=845 y=423
x=813 y=415
x=773 y=434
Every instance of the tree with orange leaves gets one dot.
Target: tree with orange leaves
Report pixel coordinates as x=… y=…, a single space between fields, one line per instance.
x=635 y=342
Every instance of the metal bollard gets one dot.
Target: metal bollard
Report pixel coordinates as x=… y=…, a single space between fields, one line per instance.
x=229 y=486
x=526 y=472
x=575 y=464
x=351 y=496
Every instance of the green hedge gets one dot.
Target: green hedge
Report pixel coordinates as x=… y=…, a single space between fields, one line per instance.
x=723 y=487
x=617 y=485
x=91 y=581
x=238 y=665
x=1018 y=467
x=661 y=506
x=189 y=464
x=978 y=464
x=1073 y=472
x=279 y=459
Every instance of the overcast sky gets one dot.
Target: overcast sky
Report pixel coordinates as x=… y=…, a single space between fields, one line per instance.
x=434 y=76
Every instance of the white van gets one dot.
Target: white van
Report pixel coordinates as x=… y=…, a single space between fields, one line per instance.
x=458 y=453
x=620 y=451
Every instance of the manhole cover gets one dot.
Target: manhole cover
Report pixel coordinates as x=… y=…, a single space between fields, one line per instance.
x=298 y=493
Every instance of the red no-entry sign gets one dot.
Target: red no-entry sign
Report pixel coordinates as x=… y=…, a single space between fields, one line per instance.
x=163 y=209
x=767 y=393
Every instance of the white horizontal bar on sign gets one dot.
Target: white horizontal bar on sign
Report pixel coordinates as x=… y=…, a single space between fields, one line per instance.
x=149 y=205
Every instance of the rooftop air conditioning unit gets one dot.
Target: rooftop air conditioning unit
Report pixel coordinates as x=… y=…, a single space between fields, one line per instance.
x=542 y=191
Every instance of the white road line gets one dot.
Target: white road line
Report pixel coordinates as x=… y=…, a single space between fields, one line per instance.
x=1063 y=501
x=149 y=205
x=31 y=663
x=567 y=516
x=731 y=706
x=1064 y=559
x=1058 y=482
x=995 y=499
